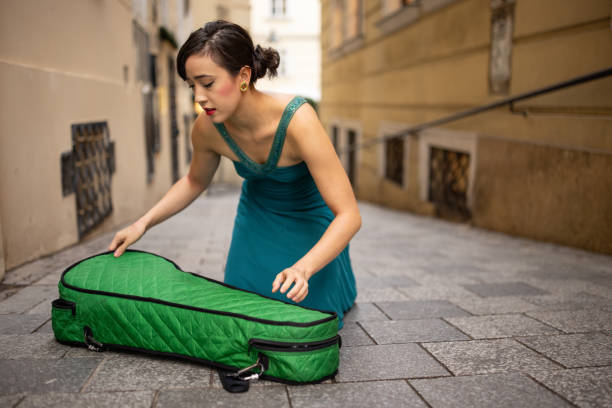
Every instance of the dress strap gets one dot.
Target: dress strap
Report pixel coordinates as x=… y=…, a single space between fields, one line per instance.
x=277 y=143
x=230 y=142
x=281 y=131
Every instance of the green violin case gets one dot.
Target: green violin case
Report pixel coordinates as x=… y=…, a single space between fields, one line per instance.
x=144 y=302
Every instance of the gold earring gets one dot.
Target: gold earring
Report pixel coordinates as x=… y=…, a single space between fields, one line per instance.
x=244 y=86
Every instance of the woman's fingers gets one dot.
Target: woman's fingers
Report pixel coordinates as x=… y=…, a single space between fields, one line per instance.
x=120 y=250
x=114 y=242
x=290 y=277
x=279 y=279
x=301 y=294
x=299 y=284
x=287 y=284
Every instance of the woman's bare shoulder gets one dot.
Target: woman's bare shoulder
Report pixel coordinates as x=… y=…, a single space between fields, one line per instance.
x=204 y=132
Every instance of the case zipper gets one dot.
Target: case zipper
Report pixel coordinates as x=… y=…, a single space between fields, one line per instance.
x=284 y=346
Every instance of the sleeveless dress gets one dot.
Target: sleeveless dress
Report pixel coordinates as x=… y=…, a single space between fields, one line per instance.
x=280 y=217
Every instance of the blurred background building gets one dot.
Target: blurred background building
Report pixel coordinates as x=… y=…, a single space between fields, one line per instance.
x=95 y=123
x=236 y=11
x=540 y=167
x=291 y=27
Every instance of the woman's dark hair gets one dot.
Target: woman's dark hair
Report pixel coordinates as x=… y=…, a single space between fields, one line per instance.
x=231 y=47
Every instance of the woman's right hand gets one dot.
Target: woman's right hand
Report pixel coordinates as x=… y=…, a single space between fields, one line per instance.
x=126 y=237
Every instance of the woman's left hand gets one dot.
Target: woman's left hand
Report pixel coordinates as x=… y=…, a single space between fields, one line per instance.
x=292 y=275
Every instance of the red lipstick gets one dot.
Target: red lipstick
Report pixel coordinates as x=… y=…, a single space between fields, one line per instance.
x=210 y=111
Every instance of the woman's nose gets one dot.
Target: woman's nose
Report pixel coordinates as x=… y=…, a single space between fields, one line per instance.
x=199 y=96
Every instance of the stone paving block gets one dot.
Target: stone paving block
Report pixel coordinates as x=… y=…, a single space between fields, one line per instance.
x=136 y=399
x=21 y=324
x=585 y=387
x=353 y=335
x=27 y=298
x=387 y=362
x=131 y=373
x=412 y=331
x=43 y=308
x=580 y=300
x=364 y=311
x=355 y=395
x=496 y=326
x=217 y=397
x=79 y=352
x=504 y=289
x=378 y=282
x=17 y=346
x=420 y=309
x=8 y=291
x=216 y=382
x=51 y=278
x=45 y=375
x=10 y=400
x=488 y=356
x=435 y=292
x=569 y=287
x=576 y=321
x=574 y=350
x=494 y=306
x=375 y=295
x=32 y=271
x=484 y=391
x=45 y=328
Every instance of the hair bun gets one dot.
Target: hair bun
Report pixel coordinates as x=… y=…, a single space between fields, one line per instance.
x=265 y=60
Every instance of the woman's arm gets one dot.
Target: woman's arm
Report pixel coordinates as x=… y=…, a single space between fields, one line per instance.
x=315 y=148
x=203 y=165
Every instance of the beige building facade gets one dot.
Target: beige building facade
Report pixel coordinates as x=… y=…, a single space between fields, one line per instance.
x=94 y=125
x=541 y=168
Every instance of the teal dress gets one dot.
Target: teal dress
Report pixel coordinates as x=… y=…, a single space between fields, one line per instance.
x=281 y=216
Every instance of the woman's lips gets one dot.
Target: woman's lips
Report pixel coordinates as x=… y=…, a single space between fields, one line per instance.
x=210 y=111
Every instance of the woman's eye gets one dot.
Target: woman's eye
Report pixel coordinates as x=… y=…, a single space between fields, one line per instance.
x=209 y=85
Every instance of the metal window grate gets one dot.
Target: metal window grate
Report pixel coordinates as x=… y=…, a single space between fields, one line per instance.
x=87 y=172
x=174 y=130
x=188 y=149
x=394 y=160
x=335 y=137
x=448 y=182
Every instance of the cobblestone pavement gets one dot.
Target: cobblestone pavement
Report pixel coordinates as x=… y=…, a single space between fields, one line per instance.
x=446 y=316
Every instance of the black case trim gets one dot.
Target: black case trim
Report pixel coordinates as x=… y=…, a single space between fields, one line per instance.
x=332 y=316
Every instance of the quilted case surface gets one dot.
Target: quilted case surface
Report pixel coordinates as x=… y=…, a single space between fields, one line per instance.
x=143 y=302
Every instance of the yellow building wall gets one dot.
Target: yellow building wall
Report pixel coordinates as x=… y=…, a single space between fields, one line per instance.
x=439 y=65
x=62 y=63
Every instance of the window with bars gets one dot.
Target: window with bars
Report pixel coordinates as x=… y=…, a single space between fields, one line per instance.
x=394 y=160
x=353 y=18
x=146 y=78
x=392 y=6
x=222 y=13
x=279 y=8
x=334 y=137
x=347 y=21
x=500 y=63
x=87 y=171
x=282 y=67
x=351 y=136
x=448 y=182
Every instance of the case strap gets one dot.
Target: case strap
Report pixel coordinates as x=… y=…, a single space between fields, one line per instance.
x=92 y=344
x=240 y=380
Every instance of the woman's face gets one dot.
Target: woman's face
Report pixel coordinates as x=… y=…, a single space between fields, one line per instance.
x=214 y=88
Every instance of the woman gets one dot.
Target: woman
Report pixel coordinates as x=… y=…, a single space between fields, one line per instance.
x=297 y=211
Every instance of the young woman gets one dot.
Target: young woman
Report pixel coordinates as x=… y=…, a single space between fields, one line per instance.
x=297 y=211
